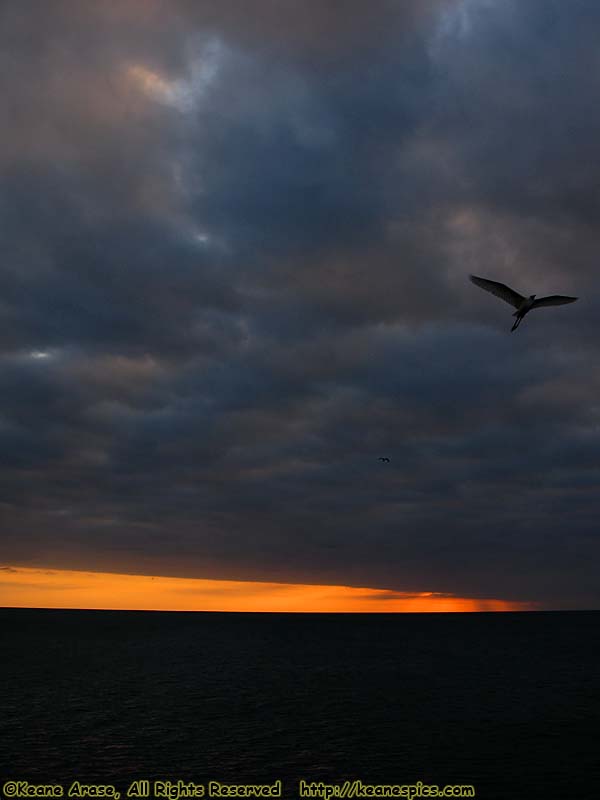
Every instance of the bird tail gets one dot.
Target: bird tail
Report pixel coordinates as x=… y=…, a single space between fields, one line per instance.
x=516 y=325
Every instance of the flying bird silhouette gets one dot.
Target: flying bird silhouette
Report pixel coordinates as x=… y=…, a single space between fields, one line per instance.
x=385 y=459
x=522 y=304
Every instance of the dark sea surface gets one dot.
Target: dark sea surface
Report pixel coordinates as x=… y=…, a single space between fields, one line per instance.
x=509 y=703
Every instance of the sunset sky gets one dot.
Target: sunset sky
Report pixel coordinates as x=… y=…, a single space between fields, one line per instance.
x=235 y=247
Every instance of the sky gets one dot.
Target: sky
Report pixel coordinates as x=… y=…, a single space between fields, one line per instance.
x=234 y=273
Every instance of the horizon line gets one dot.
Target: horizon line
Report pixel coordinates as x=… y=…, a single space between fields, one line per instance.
x=35 y=587
x=298 y=613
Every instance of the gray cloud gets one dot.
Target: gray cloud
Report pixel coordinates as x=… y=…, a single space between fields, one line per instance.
x=234 y=273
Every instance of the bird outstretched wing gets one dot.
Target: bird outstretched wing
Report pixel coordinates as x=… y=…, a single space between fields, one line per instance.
x=553 y=300
x=500 y=290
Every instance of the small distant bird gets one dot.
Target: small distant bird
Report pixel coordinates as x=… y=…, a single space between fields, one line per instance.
x=522 y=304
x=384 y=459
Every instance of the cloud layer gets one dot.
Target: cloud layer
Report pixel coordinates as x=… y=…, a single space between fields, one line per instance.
x=233 y=273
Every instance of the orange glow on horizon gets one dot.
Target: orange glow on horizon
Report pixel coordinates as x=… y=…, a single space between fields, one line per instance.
x=26 y=587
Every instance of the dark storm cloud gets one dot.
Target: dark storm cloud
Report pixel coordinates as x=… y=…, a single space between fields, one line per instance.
x=318 y=33
x=130 y=284
x=517 y=86
x=234 y=273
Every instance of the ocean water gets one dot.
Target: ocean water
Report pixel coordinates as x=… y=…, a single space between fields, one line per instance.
x=508 y=703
